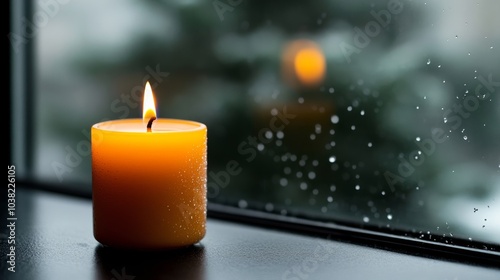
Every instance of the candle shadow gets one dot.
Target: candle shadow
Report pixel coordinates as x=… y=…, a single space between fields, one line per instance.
x=117 y=264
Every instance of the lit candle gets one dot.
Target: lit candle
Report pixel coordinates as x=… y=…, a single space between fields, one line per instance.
x=149 y=181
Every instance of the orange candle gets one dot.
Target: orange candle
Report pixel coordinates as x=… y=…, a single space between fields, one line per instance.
x=149 y=181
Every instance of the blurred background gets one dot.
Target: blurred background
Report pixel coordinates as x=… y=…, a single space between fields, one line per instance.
x=379 y=114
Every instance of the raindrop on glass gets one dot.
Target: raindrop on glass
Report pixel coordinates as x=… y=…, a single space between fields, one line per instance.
x=269 y=134
x=269 y=207
x=283 y=182
x=317 y=128
x=242 y=204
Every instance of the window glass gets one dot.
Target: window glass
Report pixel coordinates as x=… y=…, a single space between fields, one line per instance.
x=381 y=114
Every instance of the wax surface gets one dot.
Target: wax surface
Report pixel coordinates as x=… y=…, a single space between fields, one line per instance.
x=149 y=188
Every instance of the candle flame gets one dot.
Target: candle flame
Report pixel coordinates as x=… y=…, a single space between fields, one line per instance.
x=148 y=107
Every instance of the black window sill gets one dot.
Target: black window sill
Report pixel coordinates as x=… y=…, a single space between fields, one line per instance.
x=54 y=241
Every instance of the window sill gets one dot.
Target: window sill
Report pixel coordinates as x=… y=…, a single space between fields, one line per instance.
x=54 y=241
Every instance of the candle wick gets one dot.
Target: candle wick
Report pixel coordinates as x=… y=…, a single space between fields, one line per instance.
x=150 y=123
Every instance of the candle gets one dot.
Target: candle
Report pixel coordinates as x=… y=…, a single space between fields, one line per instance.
x=149 y=181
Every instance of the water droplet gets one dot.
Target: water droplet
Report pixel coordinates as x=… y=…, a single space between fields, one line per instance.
x=428 y=61
x=357 y=187
x=353 y=127
x=283 y=182
x=260 y=147
x=331 y=90
x=317 y=128
x=491 y=47
x=418 y=139
x=329 y=199
x=439 y=66
x=383 y=193
x=303 y=186
x=418 y=107
x=311 y=175
x=334 y=119
x=269 y=207
x=389 y=217
x=370 y=144
x=444 y=82
x=362 y=113
x=332 y=159
x=269 y=134
x=425 y=97
x=465 y=137
x=349 y=108
x=301 y=100
x=366 y=219
x=242 y=204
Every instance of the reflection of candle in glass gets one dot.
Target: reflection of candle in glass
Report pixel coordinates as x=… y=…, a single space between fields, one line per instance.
x=303 y=63
x=149 y=181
